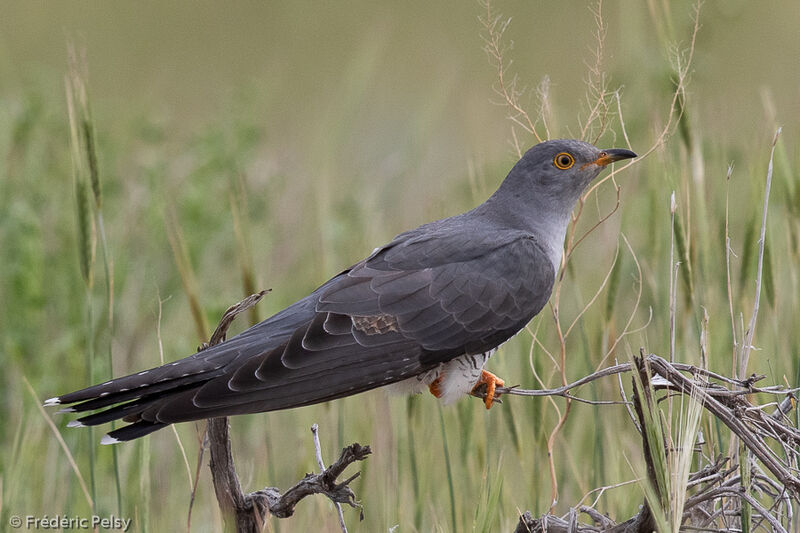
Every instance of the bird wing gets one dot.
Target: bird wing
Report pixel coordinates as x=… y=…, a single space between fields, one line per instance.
x=423 y=299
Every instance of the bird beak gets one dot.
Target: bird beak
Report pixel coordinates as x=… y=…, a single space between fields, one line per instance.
x=609 y=156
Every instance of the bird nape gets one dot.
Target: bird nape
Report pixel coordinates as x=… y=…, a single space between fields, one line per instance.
x=425 y=310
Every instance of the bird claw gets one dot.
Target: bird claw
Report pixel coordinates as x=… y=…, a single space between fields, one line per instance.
x=436 y=387
x=485 y=388
x=489 y=382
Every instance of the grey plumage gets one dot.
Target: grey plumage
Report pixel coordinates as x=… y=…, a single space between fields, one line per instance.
x=456 y=287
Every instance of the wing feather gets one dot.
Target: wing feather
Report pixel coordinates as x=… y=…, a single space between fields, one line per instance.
x=432 y=294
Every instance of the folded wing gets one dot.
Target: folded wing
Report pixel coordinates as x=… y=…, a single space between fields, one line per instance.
x=421 y=300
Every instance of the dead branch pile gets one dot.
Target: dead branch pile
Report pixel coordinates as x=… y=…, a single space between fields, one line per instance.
x=722 y=490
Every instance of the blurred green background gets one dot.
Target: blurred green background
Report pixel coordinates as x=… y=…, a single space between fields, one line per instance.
x=343 y=124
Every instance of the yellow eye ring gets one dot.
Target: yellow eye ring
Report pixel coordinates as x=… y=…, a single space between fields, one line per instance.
x=563 y=161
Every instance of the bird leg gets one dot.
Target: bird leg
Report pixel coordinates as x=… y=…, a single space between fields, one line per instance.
x=492 y=382
x=436 y=387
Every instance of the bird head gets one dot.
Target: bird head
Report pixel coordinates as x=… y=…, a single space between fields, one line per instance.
x=560 y=170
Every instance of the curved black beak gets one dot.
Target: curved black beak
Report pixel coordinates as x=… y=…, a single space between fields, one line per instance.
x=611 y=155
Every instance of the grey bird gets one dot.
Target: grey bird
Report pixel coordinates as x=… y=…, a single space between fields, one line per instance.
x=425 y=310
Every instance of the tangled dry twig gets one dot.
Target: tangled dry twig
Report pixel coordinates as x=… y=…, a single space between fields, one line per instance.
x=716 y=491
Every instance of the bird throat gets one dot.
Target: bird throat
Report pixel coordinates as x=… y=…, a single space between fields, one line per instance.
x=550 y=233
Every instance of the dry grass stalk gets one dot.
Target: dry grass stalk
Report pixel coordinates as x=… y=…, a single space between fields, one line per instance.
x=507 y=89
x=180 y=253
x=744 y=354
x=80 y=112
x=545 y=112
x=626 y=329
x=87 y=231
x=238 y=204
x=73 y=465
x=599 y=99
x=192 y=483
x=86 y=177
x=728 y=253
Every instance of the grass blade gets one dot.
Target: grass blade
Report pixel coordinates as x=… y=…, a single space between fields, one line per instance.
x=181 y=255
x=450 y=485
x=61 y=443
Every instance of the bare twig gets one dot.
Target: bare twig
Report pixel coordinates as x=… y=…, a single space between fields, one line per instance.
x=561 y=391
x=228 y=317
x=250 y=510
x=325 y=483
x=714 y=390
x=321 y=464
x=247 y=512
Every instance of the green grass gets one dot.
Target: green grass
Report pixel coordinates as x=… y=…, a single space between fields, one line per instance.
x=331 y=130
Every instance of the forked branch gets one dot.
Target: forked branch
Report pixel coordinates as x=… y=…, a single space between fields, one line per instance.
x=246 y=513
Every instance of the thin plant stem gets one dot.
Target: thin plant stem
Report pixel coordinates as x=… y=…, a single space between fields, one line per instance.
x=61 y=443
x=109 y=286
x=90 y=370
x=449 y=469
x=751 y=326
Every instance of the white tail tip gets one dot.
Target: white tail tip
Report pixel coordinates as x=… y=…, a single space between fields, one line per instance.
x=76 y=424
x=65 y=410
x=108 y=439
x=52 y=401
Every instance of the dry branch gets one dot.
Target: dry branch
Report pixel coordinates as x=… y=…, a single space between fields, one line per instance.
x=250 y=510
x=716 y=491
x=246 y=513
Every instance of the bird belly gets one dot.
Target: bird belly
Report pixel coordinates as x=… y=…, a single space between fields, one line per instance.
x=458 y=376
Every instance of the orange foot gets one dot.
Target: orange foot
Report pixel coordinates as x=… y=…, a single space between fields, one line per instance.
x=492 y=382
x=435 y=387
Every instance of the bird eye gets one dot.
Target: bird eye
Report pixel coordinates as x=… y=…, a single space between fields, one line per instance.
x=564 y=161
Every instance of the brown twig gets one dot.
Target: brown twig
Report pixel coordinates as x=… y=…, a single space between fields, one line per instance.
x=250 y=510
x=713 y=390
x=246 y=513
x=325 y=483
x=229 y=316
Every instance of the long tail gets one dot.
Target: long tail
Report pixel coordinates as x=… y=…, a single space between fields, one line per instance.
x=130 y=395
x=260 y=370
